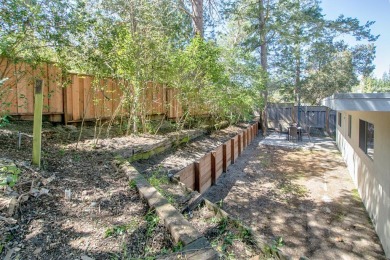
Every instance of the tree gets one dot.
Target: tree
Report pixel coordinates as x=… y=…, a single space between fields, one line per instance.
x=371 y=84
x=307 y=45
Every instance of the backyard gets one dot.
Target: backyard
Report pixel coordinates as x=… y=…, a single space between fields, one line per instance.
x=300 y=201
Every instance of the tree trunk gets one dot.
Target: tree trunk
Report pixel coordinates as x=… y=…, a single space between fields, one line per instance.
x=297 y=84
x=197 y=16
x=264 y=66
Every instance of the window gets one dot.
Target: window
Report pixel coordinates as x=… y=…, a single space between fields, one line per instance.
x=366 y=138
x=349 y=125
x=339 y=119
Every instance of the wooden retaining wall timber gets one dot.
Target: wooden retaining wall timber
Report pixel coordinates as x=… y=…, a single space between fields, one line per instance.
x=239 y=143
x=244 y=143
x=248 y=137
x=227 y=155
x=187 y=176
x=234 y=148
x=204 y=173
x=216 y=163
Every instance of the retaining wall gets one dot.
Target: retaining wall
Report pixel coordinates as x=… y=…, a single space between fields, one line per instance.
x=202 y=174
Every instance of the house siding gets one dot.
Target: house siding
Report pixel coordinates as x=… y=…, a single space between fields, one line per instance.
x=371 y=176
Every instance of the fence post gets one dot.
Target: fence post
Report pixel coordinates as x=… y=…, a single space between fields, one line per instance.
x=37 y=125
x=327 y=120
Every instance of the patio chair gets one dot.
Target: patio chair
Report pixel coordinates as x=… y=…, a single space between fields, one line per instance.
x=306 y=132
x=293 y=133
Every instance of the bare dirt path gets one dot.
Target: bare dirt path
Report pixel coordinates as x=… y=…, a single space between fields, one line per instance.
x=304 y=196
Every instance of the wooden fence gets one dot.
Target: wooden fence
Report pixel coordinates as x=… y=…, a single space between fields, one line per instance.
x=202 y=174
x=316 y=116
x=70 y=97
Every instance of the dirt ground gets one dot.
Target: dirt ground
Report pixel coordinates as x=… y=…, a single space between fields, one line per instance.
x=104 y=218
x=302 y=200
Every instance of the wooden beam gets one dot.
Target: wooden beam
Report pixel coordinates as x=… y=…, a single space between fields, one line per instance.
x=37 y=127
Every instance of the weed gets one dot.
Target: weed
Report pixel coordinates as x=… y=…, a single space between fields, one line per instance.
x=9 y=175
x=229 y=238
x=355 y=195
x=222 y=225
x=76 y=157
x=178 y=247
x=152 y=221
x=340 y=216
x=119 y=229
x=164 y=251
x=124 y=250
x=265 y=160
x=133 y=184
x=293 y=189
x=61 y=152
x=214 y=220
x=245 y=233
x=219 y=203
x=4 y=120
x=158 y=179
x=273 y=249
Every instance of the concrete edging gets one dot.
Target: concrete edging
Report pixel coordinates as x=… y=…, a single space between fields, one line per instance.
x=181 y=230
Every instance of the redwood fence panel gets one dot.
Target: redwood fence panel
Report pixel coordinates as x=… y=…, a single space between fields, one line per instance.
x=76 y=96
x=175 y=109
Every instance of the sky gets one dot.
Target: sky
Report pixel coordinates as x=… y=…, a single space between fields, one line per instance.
x=367 y=10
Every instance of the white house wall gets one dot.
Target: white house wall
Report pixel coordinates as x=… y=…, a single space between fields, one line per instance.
x=371 y=176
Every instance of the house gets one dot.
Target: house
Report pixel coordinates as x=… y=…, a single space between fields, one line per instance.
x=363 y=137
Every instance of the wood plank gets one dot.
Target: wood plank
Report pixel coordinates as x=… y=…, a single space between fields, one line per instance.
x=244 y=141
x=24 y=88
x=216 y=163
x=227 y=160
x=37 y=125
x=158 y=99
x=108 y=98
x=116 y=96
x=68 y=106
x=239 y=143
x=187 y=176
x=76 y=104
x=8 y=92
x=55 y=92
x=234 y=148
x=203 y=173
